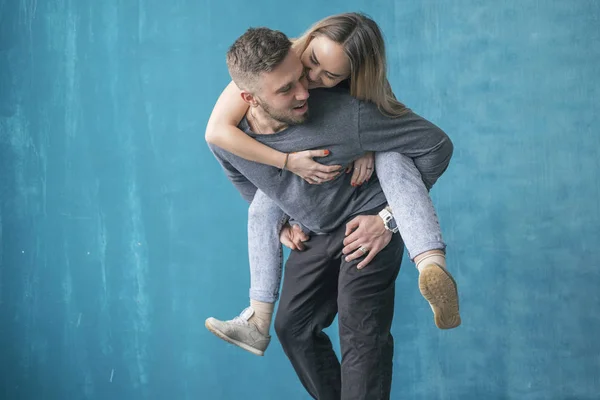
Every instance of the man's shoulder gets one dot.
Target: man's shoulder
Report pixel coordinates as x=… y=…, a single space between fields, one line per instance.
x=217 y=151
x=332 y=102
x=340 y=93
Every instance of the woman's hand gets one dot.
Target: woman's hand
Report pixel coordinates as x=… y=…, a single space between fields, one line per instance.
x=363 y=169
x=303 y=165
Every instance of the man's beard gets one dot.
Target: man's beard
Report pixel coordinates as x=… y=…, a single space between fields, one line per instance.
x=282 y=117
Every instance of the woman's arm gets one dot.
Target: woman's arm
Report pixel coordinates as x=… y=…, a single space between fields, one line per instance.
x=222 y=131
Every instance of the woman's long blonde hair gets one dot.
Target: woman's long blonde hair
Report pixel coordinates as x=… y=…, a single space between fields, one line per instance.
x=363 y=43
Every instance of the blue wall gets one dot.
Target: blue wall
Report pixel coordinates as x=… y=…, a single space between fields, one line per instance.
x=120 y=234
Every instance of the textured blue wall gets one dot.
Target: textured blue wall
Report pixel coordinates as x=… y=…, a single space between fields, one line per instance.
x=120 y=234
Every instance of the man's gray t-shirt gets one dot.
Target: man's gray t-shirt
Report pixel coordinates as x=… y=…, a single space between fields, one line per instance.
x=347 y=128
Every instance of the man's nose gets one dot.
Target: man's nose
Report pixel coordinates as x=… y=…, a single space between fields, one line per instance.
x=302 y=91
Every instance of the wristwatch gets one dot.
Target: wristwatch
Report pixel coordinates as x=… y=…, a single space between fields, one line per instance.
x=388 y=219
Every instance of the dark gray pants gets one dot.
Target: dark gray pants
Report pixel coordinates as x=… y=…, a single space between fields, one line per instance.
x=317 y=284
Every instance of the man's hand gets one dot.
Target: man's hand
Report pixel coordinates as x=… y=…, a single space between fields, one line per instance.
x=292 y=237
x=366 y=232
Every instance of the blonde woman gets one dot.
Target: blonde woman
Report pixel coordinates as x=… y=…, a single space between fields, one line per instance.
x=346 y=49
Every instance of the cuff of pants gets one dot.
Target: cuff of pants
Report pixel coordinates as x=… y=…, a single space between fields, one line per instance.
x=264 y=296
x=423 y=247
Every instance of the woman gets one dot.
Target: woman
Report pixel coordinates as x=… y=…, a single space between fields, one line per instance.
x=342 y=49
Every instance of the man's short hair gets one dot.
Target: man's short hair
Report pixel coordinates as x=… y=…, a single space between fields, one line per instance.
x=256 y=51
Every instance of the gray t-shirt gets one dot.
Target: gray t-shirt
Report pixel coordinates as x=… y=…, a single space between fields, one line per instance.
x=348 y=128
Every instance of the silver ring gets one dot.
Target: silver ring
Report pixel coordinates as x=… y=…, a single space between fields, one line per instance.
x=361 y=248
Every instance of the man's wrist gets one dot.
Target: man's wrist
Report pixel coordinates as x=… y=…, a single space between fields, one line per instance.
x=388 y=219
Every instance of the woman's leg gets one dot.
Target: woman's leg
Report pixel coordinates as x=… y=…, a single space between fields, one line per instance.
x=250 y=330
x=420 y=229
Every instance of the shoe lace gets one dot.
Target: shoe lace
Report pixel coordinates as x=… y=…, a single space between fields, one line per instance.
x=240 y=319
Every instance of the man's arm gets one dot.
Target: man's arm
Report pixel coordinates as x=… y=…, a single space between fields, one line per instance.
x=292 y=233
x=429 y=147
x=241 y=183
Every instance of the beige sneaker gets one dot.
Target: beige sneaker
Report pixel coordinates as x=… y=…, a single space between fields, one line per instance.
x=439 y=289
x=240 y=332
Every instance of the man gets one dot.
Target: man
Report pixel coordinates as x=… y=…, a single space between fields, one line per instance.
x=320 y=282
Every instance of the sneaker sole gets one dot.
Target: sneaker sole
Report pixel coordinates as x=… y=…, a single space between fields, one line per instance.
x=226 y=338
x=439 y=289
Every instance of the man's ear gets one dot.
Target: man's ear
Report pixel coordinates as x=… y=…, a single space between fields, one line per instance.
x=249 y=98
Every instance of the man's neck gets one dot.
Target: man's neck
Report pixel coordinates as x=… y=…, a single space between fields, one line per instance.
x=263 y=124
